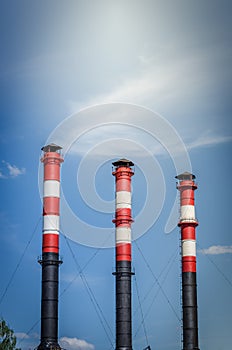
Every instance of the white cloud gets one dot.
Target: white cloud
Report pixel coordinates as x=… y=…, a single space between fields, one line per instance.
x=172 y=77
x=172 y=84
x=216 y=250
x=149 y=85
x=208 y=140
x=11 y=171
x=117 y=138
x=109 y=139
x=14 y=171
x=75 y=344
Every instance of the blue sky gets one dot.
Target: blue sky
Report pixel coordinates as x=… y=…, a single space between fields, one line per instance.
x=102 y=62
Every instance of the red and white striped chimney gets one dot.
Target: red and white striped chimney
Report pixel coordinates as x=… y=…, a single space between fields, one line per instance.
x=50 y=247
x=123 y=220
x=51 y=198
x=188 y=223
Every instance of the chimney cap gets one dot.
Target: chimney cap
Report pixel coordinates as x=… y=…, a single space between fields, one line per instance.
x=123 y=162
x=185 y=176
x=52 y=147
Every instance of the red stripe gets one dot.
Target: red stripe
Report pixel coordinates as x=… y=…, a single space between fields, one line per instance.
x=122 y=222
x=189 y=264
x=52 y=171
x=187 y=197
x=188 y=184
x=124 y=170
x=188 y=232
x=52 y=162
x=123 y=212
x=187 y=201
x=51 y=206
x=123 y=177
x=123 y=184
x=50 y=243
x=123 y=251
x=52 y=157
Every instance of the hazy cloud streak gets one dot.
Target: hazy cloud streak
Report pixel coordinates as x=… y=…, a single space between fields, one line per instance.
x=216 y=250
x=208 y=140
x=21 y=335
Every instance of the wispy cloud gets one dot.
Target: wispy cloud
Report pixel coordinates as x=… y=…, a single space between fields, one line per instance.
x=216 y=250
x=14 y=171
x=11 y=171
x=208 y=139
x=21 y=335
x=75 y=344
x=149 y=84
x=170 y=77
x=27 y=341
x=109 y=139
x=172 y=84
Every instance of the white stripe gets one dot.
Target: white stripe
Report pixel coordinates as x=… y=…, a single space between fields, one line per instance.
x=187 y=212
x=123 y=205
x=188 y=248
x=51 y=188
x=54 y=232
x=123 y=198
x=123 y=242
x=51 y=222
x=123 y=234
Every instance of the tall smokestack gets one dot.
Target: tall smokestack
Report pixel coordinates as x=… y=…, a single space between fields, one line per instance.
x=123 y=220
x=50 y=260
x=188 y=223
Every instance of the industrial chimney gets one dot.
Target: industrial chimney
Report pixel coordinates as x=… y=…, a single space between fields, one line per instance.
x=50 y=260
x=123 y=220
x=187 y=224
